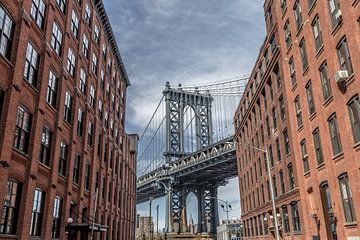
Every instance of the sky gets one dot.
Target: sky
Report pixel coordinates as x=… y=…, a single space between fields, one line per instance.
x=188 y=42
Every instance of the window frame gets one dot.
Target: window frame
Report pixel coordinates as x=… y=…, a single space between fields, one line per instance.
x=6 y=36
x=37 y=212
x=11 y=209
x=46 y=145
x=22 y=129
x=31 y=68
x=354 y=117
x=38 y=12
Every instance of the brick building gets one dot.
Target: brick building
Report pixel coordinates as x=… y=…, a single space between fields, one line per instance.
x=62 y=140
x=319 y=136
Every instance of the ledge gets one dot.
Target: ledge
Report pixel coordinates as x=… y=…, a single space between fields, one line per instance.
x=318 y=53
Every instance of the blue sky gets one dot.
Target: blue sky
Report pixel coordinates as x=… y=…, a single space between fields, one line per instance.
x=188 y=42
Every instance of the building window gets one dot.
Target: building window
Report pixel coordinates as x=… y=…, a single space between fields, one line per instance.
x=298 y=111
x=63 y=159
x=317 y=33
x=317 y=145
x=74 y=24
x=100 y=110
x=298 y=15
x=260 y=226
x=291 y=177
x=266 y=225
x=296 y=216
x=38 y=12
x=104 y=52
x=82 y=84
x=310 y=3
x=92 y=96
x=325 y=81
x=90 y=134
x=71 y=60
x=277 y=74
x=106 y=119
x=278 y=150
x=310 y=98
x=346 y=195
x=274 y=118
x=335 y=12
x=328 y=210
x=85 y=47
x=94 y=64
x=2 y=97
x=56 y=38
x=267 y=127
x=282 y=108
x=97 y=34
x=76 y=173
x=286 y=142
x=344 y=56
x=283 y=6
x=303 y=54
x=10 y=214
x=87 y=15
x=80 y=122
x=335 y=135
x=354 y=111
x=275 y=185
x=292 y=71
x=55 y=233
x=304 y=156
x=68 y=107
x=282 y=182
x=87 y=176
x=62 y=5
x=52 y=89
x=6 y=33
x=37 y=213
x=45 y=150
x=286 y=218
x=31 y=65
x=22 y=129
x=287 y=31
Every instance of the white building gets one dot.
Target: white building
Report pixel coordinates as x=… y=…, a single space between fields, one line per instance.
x=229 y=230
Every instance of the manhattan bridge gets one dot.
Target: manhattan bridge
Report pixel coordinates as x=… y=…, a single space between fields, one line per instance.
x=188 y=146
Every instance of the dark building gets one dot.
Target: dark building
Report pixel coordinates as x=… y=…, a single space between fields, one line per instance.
x=307 y=114
x=63 y=149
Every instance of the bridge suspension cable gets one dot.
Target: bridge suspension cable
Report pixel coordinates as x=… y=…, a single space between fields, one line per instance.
x=226 y=96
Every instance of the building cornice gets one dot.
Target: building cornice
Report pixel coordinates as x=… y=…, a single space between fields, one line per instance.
x=111 y=39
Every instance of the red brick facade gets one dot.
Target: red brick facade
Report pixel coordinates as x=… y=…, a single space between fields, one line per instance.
x=315 y=40
x=100 y=157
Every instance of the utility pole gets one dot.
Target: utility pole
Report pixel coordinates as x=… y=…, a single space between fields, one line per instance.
x=150 y=220
x=94 y=215
x=157 y=221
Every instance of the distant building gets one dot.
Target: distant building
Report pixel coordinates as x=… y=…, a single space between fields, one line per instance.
x=229 y=230
x=144 y=228
x=302 y=104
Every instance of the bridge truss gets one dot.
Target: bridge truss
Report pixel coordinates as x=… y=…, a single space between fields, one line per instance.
x=188 y=147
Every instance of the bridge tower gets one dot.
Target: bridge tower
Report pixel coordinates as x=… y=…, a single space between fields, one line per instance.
x=176 y=101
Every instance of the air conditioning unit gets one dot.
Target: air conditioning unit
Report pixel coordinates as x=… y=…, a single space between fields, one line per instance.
x=341 y=76
x=338 y=16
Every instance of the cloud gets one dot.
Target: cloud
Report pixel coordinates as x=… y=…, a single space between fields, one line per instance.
x=188 y=42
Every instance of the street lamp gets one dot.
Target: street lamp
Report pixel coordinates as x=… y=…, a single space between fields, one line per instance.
x=168 y=192
x=226 y=207
x=276 y=223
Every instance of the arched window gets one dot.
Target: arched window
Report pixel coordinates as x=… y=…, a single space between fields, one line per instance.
x=10 y=216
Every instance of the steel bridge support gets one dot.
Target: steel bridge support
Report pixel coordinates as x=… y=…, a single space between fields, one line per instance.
x=176 y=100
